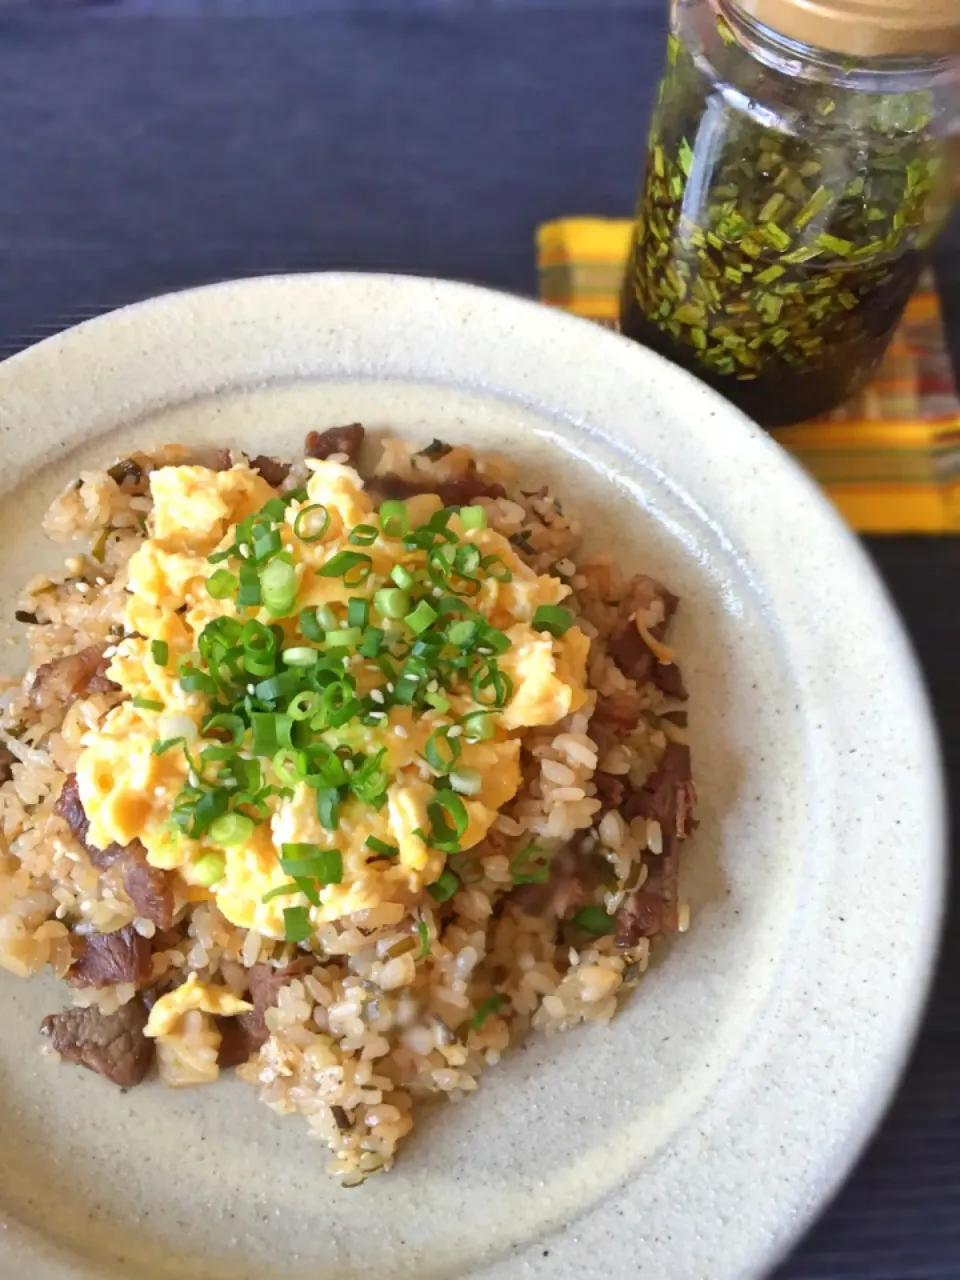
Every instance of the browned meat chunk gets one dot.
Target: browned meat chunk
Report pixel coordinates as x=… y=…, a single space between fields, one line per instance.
x=62 y=681
x=265 y=985
x=668 y=795
x=237 y=1044
x=112 y=1044
x=654 y=908
x=109 y=958
x=453 y=493
x=322 y=444
x=620 y=710
x=610 y=788
x=222 y=460
x=271 y=469
x=668 y=678
x=7 y=761
x=568 y=887
x=69 y=808
x=148 y=887
x=627 y=647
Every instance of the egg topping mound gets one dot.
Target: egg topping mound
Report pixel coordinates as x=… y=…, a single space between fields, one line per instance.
x=325 y=701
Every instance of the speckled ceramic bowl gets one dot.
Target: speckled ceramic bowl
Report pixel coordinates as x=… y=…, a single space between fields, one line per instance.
x=696 y=1135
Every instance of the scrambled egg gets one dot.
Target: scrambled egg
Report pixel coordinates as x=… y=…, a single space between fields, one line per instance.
x=129 y=790
x=193 y=994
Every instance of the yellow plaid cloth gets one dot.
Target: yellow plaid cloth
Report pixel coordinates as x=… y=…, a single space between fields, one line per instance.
x=890 y=458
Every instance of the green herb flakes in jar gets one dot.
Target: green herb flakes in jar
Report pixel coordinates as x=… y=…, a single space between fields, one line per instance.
x=796 y=173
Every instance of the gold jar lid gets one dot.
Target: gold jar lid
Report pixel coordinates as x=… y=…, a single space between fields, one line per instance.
x=864 y=28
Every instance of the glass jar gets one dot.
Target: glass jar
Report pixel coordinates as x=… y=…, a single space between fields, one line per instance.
x=789 y=196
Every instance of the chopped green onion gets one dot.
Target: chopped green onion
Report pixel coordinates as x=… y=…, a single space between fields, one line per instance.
x=281 y=891
x=271 y=731
x=443 y=809
x=363 y=535
x=160 y=652
x=490 y=677
x=372 y=642
x=402 y=576
x=466 y=558
x=466 y=782
x=221 y=584
x=492 y=1004
x=473 y=517
x=420 y=618
x=528 y=867
x=595 y=920
x=311 y=523
x=461 y=634
x=273 y=509
x=285 y=766
x=266 y=544
x=212 y=867
x=303 y=705
x=552 y=618
x=378 y=846
x=358 y=612
x=310 y=625
x=278 y=584
x=194 y=681
x=231 y=829
x=296 y=924
x=248 y=595
x=327 y=617
x=391 y=602
x=161 y=748
x=230 y=723
x=445 y=887
x=477 y=726
x=352 y=566
x=209 y=807
x=494 y=567
x=394 y=519
x=288 y=682
x=328 y=807
x=442 y=760
x=491 y=638
x=324 y=866
x=437 y=701
x=147 y=704
x=300 y=656
x=343 y=638
x=424 y=935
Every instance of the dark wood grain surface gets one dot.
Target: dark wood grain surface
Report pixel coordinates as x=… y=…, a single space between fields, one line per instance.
x=142 y=151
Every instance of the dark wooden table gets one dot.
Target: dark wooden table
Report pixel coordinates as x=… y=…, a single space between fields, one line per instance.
x=143 y=151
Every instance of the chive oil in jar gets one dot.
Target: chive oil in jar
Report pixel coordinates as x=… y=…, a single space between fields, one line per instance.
x=797 y=171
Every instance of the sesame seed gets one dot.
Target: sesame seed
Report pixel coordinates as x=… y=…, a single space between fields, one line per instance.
x=83 y=587
x=390 y=686
x=433 y=686
x=101 y=582
x=455 y=731
x=348 y=766
x=376 y=695
x=399 y=731
x=250 y=688
x=378 y=715
x=110 y=651
x=244 y=551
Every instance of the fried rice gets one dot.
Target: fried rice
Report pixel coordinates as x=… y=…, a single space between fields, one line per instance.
x=352 y=1025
